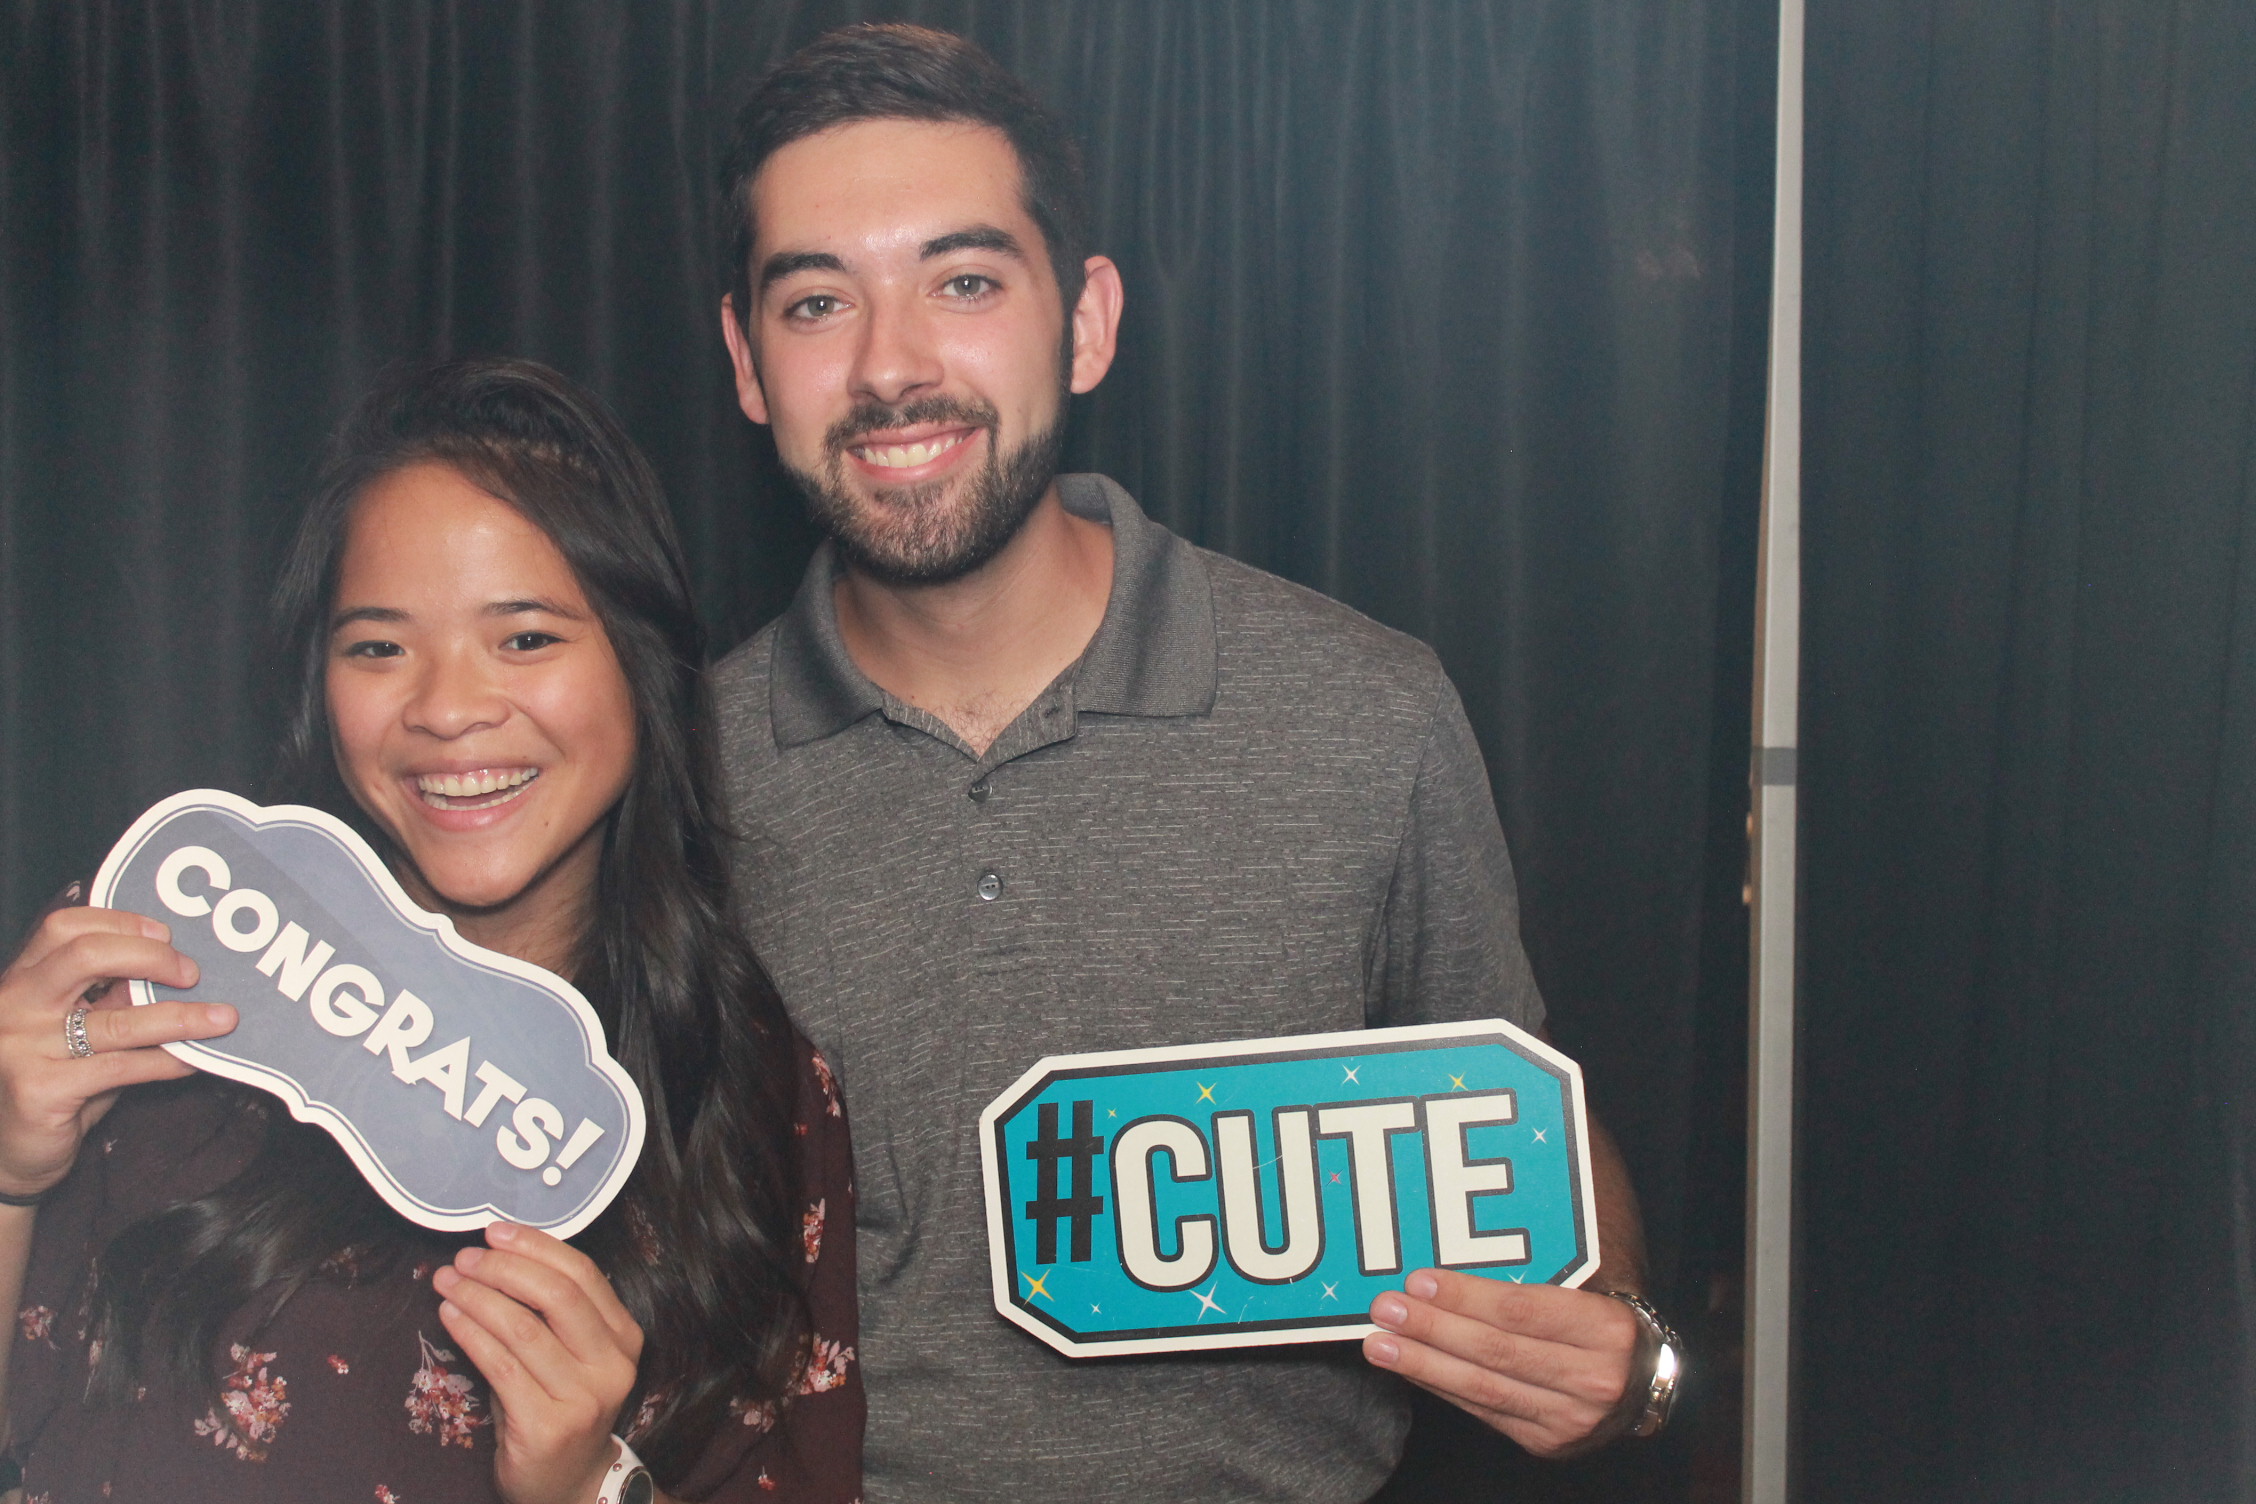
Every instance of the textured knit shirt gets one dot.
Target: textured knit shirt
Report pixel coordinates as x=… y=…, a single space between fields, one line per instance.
x=1246 y=811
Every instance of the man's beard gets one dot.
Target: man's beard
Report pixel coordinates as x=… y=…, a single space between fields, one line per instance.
x=909 y=535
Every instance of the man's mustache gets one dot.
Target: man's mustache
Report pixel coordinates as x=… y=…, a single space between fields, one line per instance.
x=872 y=417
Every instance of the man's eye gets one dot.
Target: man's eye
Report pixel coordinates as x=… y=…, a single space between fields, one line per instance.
x=526 y=642
x=970 y=285
x=373 y=648
x=820 y=306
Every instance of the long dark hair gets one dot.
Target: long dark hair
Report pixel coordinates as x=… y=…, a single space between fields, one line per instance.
x=703 y=1244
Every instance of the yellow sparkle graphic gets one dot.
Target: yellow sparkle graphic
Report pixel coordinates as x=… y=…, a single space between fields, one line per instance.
x=1456 y=1083
x=1206 y=1093
x=1039 y=1287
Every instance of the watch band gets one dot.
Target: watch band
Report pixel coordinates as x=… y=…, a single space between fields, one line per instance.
x=627 y=1481
x=1668 y=1365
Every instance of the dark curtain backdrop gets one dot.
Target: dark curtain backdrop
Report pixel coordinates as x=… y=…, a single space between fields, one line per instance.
x=2030 y=752
x=1450 y=310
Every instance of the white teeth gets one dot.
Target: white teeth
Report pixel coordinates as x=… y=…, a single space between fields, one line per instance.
x=902 y=456
x=442 y=788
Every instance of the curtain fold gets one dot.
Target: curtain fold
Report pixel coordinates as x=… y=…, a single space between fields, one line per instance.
x=2028 y=841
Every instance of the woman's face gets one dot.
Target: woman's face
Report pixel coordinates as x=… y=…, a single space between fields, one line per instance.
x=480 y=714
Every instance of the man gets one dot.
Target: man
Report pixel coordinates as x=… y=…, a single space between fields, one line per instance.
x=1020 y=773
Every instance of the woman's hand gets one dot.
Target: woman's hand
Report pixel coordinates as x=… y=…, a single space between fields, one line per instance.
x=49 y=1098
x=558 y=1351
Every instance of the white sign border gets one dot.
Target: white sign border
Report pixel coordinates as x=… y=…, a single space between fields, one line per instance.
x=293 y=1095
x=1003 y=1280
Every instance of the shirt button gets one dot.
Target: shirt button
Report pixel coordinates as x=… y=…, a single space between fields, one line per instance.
x=990 y=886
x=979 y=792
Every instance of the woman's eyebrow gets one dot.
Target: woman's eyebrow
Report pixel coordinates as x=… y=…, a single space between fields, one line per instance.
x=532 y=604
x=345 y=619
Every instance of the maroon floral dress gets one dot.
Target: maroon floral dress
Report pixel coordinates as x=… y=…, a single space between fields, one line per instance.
x=351 y=1392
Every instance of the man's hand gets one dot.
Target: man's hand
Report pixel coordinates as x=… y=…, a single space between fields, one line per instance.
x=1546 y=1366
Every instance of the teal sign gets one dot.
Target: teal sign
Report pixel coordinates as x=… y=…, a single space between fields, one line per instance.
x=1265 y=1191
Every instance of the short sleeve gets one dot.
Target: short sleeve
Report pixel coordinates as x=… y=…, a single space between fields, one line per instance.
x=1449 y=938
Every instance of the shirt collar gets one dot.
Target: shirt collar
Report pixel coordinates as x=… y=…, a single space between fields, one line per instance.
x=1153 y=654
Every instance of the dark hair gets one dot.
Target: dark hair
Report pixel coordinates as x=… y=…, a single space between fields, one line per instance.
x=894 y=71
x=703 y=1244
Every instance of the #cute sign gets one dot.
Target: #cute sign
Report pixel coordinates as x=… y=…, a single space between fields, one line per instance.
x=468 y=1086
x=1266 y=1191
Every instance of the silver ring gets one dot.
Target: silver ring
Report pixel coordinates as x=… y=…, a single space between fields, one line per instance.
x=74 y=1034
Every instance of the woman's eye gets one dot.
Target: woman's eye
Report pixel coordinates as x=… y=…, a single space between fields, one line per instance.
x=526 y=642
x=374 y=648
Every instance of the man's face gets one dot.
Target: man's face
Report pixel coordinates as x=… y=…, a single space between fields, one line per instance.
x=907 y=342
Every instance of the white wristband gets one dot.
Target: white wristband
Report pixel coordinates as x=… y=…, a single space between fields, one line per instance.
x=626 y=1471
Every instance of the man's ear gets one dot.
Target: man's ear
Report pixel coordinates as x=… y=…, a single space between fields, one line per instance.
x=1096 y=322
x=749 y=396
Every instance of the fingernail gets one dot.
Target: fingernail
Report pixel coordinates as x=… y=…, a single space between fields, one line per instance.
x=1423 y=1285
x=443 y=1278
x=449 y=1308
x=1388 y=1310
x=154 y=930
x=468 y=1258
x=1383 y=1350
x=502 y=1232
x=195 y=972
x=220 y=1016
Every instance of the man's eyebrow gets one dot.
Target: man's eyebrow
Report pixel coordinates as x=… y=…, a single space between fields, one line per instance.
x=976 y=238
x=788 y=263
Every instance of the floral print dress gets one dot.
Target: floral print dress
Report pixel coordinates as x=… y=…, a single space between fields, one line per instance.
x=351 y=1392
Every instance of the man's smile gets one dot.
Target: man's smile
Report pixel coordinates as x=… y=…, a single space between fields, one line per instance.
x=907 y=454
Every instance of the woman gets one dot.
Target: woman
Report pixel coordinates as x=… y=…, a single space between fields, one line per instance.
x=497 y=667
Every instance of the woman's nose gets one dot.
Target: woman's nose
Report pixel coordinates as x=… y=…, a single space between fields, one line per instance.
x=454 y=696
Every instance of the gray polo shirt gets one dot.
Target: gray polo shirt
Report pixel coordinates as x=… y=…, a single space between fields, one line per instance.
x=1246 y=811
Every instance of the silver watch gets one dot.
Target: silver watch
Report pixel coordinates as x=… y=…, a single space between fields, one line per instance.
x=1668 y=1365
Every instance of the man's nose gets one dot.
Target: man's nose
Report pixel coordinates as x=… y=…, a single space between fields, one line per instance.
x=455 y=695
x=898 y=359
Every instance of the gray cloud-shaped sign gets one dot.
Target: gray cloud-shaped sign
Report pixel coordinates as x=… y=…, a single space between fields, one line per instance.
x=467 y=1085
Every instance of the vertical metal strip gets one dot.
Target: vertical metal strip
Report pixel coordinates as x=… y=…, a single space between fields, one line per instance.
x=1765 y=1442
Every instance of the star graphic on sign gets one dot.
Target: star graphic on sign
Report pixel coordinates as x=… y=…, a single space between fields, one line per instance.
x=1456 y=1083
x=1539 y=1138
x=1331 y=1290
x=1351 y=1076
x=1206 y=1093
x=1110 y=1113
x=1207 y=1302
x=1096 y=1310
x=1040 y=1287
x=1335 y=1177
